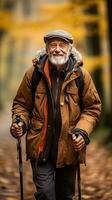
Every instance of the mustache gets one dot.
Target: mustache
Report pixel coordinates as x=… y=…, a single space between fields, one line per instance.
x=57 y=54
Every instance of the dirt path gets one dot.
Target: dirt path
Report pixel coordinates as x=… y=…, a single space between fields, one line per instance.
x=96 y=176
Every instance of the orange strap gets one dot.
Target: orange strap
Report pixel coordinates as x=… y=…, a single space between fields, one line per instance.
x=44 y=129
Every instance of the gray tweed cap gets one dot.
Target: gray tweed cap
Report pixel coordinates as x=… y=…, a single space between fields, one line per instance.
x=58 y=34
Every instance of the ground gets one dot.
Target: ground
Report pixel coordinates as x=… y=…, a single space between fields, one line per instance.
x=96 y=177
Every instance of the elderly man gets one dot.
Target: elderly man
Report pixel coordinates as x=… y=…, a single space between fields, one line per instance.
x=54 y=114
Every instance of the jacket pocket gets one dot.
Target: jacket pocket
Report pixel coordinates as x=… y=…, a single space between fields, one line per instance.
x=33 y=137
x=72 y=96
x=36 y=125
x=73 y=105
x=40 y=100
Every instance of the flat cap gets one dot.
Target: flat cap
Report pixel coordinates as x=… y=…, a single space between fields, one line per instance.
x=58 y=34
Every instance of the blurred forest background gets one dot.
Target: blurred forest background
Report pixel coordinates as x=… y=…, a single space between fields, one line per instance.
x=22 y=27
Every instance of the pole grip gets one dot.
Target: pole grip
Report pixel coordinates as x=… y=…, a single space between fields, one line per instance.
x=18 y=119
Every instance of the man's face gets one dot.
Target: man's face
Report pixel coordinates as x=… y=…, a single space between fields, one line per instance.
x=58 y=51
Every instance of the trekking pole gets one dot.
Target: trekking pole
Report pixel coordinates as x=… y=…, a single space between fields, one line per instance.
x=78 y=178
x=19 y=156
x=78 y=170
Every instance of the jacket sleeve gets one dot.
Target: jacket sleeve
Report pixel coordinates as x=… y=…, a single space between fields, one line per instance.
x=22 y=103
x=91 y=105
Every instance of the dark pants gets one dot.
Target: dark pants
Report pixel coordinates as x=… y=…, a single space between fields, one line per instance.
x=53 y=183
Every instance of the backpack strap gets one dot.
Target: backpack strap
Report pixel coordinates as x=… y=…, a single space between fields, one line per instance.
x=36 y=76
x=80 y=85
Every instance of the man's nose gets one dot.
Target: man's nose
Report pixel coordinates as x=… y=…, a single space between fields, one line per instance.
x=57 y=49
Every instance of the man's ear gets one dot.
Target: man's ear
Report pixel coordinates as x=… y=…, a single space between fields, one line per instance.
x=70 y=49
x=46 y=50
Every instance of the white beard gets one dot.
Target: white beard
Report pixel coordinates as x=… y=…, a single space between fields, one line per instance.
x=58 y=60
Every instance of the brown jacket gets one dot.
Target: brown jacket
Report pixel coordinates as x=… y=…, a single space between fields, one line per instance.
x=37 y=119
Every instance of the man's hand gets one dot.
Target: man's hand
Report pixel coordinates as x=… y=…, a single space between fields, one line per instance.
x=78 y=142
x=17 y=129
